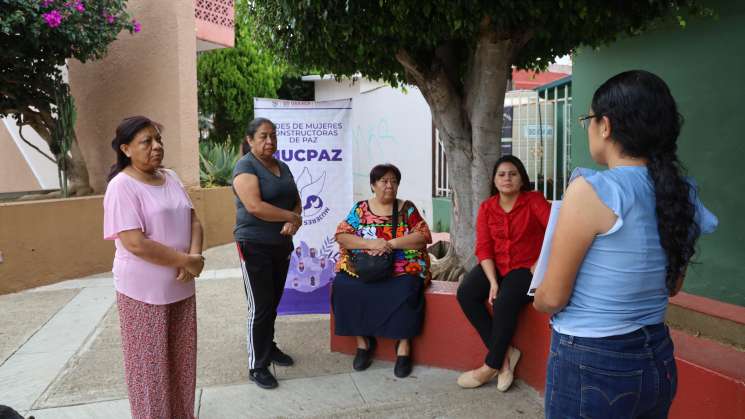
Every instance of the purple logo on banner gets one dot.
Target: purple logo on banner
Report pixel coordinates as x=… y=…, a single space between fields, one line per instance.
x=311 y=192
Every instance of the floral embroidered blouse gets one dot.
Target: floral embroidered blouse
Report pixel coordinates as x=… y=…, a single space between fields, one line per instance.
x=363 y=223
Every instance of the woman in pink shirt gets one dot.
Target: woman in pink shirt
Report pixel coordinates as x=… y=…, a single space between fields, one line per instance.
x=158 y=255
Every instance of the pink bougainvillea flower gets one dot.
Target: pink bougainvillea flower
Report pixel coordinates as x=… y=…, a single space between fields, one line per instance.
x=137 y=25
x=53 y=18
x=79 y=6
x=109 y=17
x=46 y=3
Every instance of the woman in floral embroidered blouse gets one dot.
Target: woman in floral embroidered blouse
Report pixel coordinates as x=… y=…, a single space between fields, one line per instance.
x=393 y=308
x=509 y=234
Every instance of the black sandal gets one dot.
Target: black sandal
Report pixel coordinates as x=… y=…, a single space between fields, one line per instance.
x=363 y=357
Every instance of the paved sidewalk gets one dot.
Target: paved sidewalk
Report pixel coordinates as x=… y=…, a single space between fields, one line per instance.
x=60 y=357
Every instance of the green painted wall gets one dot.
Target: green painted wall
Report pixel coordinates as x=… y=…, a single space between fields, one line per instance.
x=441 y=210
x=704 y=65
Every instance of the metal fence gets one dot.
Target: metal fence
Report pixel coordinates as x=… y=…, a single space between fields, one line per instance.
x=537 y=130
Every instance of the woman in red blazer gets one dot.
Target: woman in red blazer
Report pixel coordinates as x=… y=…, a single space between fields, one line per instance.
x=509 y=235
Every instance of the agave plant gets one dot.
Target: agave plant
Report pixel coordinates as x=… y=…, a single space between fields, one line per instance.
x=216 y=163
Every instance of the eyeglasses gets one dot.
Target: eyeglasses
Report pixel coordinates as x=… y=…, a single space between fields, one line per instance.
x=584 y=120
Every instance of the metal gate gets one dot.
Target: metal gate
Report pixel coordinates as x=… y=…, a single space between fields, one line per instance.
x=537 y=130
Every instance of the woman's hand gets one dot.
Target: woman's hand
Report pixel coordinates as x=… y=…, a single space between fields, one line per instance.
x=184 y=275
x=414 y=241
x=194 y=264
x=296 y=219
x=378 y=247
x=289 y=229
x=493 y=290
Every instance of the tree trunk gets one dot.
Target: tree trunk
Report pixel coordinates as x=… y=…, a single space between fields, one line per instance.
x=469 y=121
x=77 y=173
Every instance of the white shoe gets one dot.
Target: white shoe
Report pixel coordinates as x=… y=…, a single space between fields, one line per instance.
x=505 y=378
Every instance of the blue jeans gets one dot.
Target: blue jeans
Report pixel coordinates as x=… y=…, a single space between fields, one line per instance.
x=624 y=376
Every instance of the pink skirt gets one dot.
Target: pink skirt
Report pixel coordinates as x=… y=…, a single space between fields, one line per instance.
x=160 y=357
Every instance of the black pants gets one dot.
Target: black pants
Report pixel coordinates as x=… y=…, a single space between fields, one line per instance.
x=496 y=332
x=264 y=269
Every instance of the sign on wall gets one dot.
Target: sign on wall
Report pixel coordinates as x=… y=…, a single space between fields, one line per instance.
x=314 y=139
x=538 y=132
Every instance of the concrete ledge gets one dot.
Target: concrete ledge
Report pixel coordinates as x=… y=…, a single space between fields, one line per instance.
x=708 y=318
x=711 y=376
x=448 y=340
x=48 y=241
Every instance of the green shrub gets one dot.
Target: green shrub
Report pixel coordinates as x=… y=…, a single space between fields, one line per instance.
x=216 y=164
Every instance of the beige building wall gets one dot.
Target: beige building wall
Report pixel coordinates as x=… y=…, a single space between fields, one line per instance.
x=43 y=242
x=151 y=73
x=15 y=175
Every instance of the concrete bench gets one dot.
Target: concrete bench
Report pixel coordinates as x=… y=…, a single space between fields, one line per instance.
x=711 y=376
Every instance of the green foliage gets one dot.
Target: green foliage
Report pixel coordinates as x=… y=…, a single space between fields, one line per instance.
x=294 y=88
x=37 y=37
x=63 y=132
x=229 y=79
x=216 y=163
x=34 y=50
x=345 y=37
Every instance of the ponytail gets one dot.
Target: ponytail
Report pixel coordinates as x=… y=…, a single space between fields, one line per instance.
x=675 y=214
x=122 y=161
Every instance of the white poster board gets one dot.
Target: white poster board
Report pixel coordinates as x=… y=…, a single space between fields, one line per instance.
x=542 y=264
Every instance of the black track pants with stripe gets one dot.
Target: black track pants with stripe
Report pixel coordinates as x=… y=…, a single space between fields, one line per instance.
x=264 y=269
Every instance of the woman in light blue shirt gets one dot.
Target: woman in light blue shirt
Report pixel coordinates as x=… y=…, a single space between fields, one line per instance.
x=621 y=247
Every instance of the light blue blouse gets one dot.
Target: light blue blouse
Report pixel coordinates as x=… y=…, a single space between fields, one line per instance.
x=620 y=285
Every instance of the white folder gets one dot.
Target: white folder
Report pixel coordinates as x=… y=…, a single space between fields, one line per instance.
x=542 y=264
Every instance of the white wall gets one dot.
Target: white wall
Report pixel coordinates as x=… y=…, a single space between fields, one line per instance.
x=388 y=126
x=44 y=170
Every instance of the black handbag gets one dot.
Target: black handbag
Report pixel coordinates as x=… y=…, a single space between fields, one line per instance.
x=371 y=268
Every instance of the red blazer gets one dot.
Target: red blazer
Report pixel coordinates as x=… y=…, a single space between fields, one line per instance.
x=513 y=240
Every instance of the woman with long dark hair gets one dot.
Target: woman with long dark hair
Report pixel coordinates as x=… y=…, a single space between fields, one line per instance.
x=509 y=233
x=622 y=243
x=158 y=255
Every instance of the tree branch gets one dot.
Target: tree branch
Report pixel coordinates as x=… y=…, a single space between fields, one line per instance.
x=446 y=57
x=411 y=67
x=20 y=133
x=443 y=99
x=38 y=122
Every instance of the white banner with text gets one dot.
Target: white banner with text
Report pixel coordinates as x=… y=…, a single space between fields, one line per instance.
x=315 y=140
